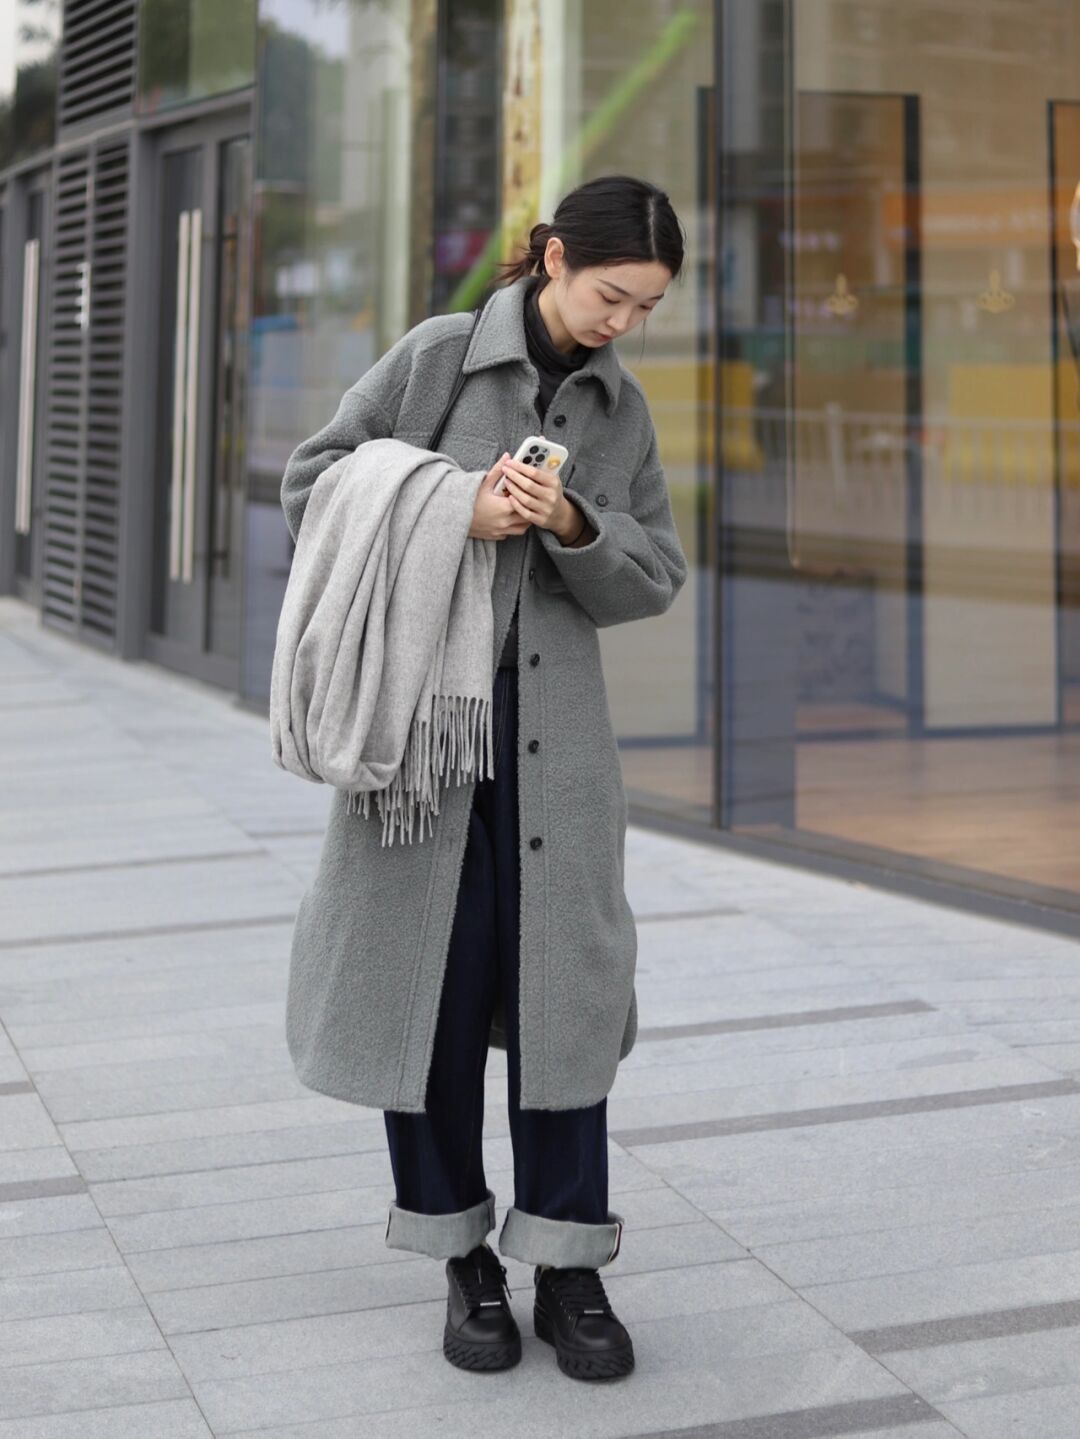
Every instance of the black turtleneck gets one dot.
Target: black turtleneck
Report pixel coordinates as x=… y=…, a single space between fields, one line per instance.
x=552 y=366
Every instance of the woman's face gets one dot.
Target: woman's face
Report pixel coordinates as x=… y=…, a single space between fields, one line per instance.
x=603 y=302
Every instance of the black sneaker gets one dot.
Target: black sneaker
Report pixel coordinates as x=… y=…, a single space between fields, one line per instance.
x=481 y=1332
x=572 y=1312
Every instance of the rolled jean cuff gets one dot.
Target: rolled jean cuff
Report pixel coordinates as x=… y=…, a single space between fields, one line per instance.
x=442 y=1236
x=561 y=1242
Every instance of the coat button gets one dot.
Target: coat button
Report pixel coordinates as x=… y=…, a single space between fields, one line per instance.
x=534 y=745
x=601 y=500
x=559 y=420
x=535 y=842
x=534 y=660
x=531 y=572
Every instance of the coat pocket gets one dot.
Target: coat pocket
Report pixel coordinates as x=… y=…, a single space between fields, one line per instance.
x=606 y=486
x=609 y=488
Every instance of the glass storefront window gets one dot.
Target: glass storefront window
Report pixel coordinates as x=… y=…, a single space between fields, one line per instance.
x=192 y=48
x=29 y=43
x=901 y=642
x=343 y=215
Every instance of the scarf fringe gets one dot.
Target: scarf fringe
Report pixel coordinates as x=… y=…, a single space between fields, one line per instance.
x=454 y=742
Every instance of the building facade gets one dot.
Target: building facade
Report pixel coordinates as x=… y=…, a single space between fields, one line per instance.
x=214 y=218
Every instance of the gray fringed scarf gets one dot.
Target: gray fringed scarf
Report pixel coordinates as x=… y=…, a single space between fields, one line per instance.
x=382 y=673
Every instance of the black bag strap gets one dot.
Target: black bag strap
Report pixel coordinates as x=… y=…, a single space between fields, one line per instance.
x=436 y=435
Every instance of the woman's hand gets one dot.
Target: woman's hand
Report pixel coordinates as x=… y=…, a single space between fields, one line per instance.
x=537 y=496
x=494 y=516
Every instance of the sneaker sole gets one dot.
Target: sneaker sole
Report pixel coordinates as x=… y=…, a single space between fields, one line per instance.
x=468 y=1354
x=611 y=1364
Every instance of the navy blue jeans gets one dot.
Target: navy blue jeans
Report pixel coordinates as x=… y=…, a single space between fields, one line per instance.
x=560 y=1156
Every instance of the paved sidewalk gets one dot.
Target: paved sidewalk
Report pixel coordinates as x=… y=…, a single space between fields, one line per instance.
x=846 y=1145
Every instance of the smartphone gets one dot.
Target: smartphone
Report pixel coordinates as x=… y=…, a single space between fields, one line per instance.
x=541 y=454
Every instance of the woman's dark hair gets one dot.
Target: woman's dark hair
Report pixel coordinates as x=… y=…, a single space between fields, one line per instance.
x=611 y=220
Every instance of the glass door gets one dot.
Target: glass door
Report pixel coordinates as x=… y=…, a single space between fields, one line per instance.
x=201 y=327
x=1065 y=259
x=175 y=606
x=856 y=389
x=30 y=337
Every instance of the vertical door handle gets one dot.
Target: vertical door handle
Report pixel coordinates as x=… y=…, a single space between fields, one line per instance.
x=191 y=403
x=179 y=386
x=27 y=368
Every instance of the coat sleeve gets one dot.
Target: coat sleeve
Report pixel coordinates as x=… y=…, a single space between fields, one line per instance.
x=368 y=410
x=635 y=566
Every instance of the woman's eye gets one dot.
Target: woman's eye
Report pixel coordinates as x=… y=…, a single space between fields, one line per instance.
x=614 y=301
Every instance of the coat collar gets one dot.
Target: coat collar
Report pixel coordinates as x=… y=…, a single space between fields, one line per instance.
x=500 y=338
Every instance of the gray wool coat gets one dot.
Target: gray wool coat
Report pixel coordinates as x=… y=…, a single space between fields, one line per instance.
x=372 y=930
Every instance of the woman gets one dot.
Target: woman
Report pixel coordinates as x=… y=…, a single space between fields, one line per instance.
x=509 y=925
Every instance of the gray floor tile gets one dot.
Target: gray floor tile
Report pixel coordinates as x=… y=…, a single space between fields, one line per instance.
x=672 y=1109
x=220 y=1223
x=24 y=1123
x=367 y=1135
x=136 y=960
x=937 y=1200
x=46 y=1161
x=169 y=1419
x=124 y=836
x=273 y=1256
x=58 y=1215
x=106 y=1380
x=109 y=1286
x=957 y=1289
x=641 y=1074
x=1013 y=1234
x=119 y=1102
x=1049 y=1413
x=951 y=1372
x=81 y=903
x=128 y=1330
x=239 y=1029
x=53 y=1253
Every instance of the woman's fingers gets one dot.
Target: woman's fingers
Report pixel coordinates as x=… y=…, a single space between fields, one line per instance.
x=527 y=476
x=523 y=503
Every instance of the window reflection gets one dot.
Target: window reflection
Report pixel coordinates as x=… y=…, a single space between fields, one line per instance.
x=29 y=44
x=191 y=48
x=343 y=206
x=919 y=701
x=467 y=143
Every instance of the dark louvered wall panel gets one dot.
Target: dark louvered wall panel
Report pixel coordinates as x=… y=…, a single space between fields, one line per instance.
x=97 y=58
x=85 y=392
x=101 y=512
x=66 y=417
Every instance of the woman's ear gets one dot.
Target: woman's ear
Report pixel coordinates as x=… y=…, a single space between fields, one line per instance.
x=553 y=257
